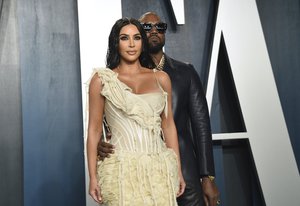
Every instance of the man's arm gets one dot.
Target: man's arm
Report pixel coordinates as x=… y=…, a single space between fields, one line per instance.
x=200 y=123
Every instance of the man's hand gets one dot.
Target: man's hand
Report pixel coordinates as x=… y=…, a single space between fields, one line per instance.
x=210 y=192
x=104 y=150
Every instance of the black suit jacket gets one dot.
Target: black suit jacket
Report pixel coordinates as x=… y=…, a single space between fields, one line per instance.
x=192 y=120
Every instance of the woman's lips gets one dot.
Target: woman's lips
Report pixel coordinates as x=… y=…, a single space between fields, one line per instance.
x=131 y=52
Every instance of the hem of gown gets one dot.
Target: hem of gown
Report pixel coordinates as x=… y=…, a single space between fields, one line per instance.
x=138 y=178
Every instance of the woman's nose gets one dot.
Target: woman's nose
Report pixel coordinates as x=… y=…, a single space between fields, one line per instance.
x=131 y=43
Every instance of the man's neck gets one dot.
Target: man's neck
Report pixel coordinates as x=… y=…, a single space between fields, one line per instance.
x=157 y=57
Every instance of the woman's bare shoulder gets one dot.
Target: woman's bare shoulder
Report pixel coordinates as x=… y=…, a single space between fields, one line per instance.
x=95 y=82
x=163 y=77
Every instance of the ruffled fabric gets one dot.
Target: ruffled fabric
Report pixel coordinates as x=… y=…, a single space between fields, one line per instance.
x=123 y=98
x=143 y=179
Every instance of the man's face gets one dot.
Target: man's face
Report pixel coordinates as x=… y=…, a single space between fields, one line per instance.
x=156 y=39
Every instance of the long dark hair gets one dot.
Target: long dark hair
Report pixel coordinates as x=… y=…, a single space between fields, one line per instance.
x=113 y=56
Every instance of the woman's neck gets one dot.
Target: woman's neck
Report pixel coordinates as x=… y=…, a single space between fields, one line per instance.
x=129 y=68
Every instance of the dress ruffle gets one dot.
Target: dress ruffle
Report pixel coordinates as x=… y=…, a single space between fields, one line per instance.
x=146 y=176
x=123 y=98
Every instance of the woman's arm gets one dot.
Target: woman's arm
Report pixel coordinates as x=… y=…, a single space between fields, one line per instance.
x=96 y=107
x=168 y=125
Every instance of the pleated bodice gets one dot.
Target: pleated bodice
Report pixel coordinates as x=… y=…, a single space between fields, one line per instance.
x=134 y=119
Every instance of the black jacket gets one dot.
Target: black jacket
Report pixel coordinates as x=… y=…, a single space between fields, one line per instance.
x=192 y=120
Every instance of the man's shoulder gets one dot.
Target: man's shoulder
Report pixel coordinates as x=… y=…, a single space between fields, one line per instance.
x=176 y=62
x=179 y=65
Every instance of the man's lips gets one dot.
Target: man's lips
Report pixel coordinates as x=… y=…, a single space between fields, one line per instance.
x=154 y=38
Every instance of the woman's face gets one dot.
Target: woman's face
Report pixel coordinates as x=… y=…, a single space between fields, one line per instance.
x=130 y=43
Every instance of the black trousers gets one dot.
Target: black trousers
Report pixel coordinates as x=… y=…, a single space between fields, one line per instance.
x=193 y=194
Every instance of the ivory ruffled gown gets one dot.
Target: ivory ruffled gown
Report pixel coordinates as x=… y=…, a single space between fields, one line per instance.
x=142 y=171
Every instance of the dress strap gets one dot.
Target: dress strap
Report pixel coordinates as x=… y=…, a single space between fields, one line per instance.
x=163 y=91
x=157 y=81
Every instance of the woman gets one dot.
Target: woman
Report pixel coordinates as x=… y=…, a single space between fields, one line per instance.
x=145 y=168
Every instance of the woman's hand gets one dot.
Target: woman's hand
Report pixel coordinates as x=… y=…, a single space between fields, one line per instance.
x=95 y=192
x=181 y=185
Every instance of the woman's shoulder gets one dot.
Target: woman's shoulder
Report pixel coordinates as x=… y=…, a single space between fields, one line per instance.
x=100 y=70
x=163 y=79
x=103 y=72
x=161 y=75
x=100 y=74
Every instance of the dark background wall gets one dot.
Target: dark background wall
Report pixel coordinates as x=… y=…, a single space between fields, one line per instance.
x=41 y=137
x=51 y=103
x=11 y=170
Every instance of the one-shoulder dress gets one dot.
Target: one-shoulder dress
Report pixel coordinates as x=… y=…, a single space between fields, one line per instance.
x=142 y=171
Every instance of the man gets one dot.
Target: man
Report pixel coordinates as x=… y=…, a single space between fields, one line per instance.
x=191 y=119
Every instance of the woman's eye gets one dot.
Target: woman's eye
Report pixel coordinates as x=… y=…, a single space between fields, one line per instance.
x=137 y=37
x=123 y=38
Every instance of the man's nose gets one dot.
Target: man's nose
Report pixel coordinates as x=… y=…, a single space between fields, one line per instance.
x=153 y=30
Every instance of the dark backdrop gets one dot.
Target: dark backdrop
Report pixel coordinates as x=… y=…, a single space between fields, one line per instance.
x=41 y=137
x=11 y=165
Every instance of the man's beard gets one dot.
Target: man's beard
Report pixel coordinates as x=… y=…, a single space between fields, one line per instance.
x=154 y=49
